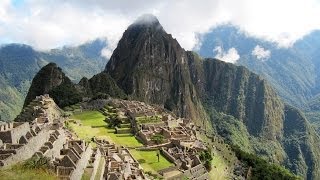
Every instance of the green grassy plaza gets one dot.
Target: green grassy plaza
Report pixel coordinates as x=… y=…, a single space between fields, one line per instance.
x=93 y=124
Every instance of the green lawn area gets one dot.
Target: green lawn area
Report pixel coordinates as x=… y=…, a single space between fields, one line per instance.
x=219 y=172
x=148 y=119
x=149 y=160
x=90 y=118
x=93 y=125
x=17 y=172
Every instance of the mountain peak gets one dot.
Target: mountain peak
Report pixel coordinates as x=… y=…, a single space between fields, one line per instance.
x=146 y=21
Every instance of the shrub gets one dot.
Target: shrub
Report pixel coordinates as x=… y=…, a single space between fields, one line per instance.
x=37 y=163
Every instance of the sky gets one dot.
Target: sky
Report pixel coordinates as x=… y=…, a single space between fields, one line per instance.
x=46 y=24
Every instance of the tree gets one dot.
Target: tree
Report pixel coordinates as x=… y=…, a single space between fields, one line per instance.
x=114 y=122
x=206 y=158
x=157 y=138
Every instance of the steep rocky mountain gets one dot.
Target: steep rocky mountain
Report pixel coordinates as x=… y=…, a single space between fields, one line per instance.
x=51 y=80
x=293 y=72
x=149 y=65
x=19 y=64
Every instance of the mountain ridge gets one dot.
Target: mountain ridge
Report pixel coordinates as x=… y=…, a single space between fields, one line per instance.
x=19 y=63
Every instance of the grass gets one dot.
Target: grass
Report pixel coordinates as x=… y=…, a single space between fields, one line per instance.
x=218 y=168
x=148 y=119
x=86 y=175
x=17 y=172
x=90 y=118
x=219 y=164
x=149 y=160
x=93 y=124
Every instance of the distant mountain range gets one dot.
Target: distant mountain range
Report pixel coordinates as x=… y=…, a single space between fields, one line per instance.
x=294 y=72
x=19 y=63
x=149 y=65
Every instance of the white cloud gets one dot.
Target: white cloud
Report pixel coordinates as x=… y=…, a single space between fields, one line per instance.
x=261 y=53
x=106 y=52
x=47 y=24
x=230 y=56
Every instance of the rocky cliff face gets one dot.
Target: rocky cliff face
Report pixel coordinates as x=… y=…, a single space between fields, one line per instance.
x=149 y=65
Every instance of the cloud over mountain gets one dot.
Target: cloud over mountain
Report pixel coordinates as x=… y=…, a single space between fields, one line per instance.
x=47 y=24
x=230 y=56
x=261 y=53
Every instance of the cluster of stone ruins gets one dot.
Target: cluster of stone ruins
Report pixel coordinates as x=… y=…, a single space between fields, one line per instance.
x=39 y=132
x=180 y=144
x=44 y=136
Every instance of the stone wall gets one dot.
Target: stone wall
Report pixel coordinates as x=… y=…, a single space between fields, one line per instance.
x=57 y=146
x=143 y=138
x=198 y=172
x=82 y=164
x=168 y=156
x=25 y=152
x=12 y=135
x=95 y=164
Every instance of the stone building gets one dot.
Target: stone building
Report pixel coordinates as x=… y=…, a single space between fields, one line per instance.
x=120 y=164
x=41 y=110
x=21 y=141
x=73 y=159
x=170 y=134
x=186 y=160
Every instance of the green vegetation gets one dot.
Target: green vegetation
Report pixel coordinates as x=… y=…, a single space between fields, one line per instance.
x=93 y=124
x=218 y=165
x=37 y=163
x=90 y=118
x=233 y=130
x=261 y=169
x=34 y=168
x=103 y=84
x=148 y=119
x=206 y=158
x=149 y=160
x=157 y=138
x=66 y=94
x=86 y=175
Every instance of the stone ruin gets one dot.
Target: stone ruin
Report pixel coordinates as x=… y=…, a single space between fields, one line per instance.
x=178 y=132
x=21 y=140
x=186 y=160
x=73 y=159
x=39 y=133
x=136 y=108
x=120 y=164
x=41 y=110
